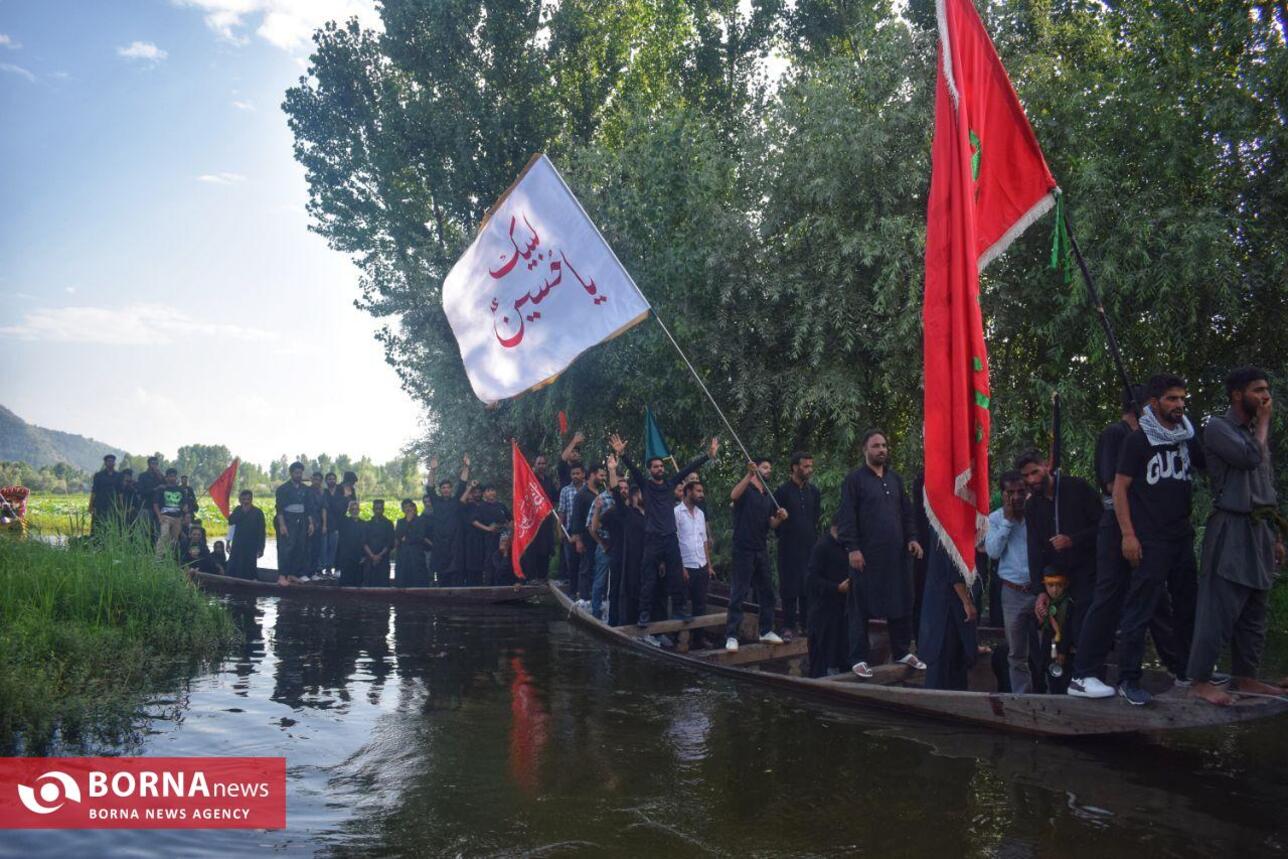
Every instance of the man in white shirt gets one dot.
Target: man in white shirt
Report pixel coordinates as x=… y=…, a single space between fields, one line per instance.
x=695 y=553
x=1007 y=544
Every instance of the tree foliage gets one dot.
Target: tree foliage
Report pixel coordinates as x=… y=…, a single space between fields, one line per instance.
x=777 y=225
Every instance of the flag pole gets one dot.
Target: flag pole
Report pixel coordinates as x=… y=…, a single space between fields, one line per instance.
x=1098 y=305
x=653 y=311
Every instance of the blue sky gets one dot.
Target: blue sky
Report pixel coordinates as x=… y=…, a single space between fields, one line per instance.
x=158 y=283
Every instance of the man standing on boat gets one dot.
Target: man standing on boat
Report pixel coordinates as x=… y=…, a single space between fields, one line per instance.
x=294 y=527
x=245 y=537
x=103 y=495
x=661 y=545
x=695 y=552
x=446 y=522
x=877 y=529
x=571 y=561
x=146 y=486
x=796 y=538
x=1153 y=495
x=754 y=515
x=1007 y=544
x=1242 y=543
x=536 y=558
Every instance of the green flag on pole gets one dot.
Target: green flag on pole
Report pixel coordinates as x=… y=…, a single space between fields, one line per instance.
x=654 y=442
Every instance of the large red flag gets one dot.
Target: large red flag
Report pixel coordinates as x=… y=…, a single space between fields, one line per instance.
x=531 y=507
x=988 y=183
x=222 y=489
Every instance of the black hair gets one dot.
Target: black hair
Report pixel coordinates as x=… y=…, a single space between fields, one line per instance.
x=1029 y=457
x=170 y=471
x=330 y=474
x=350 y=477
x=867 y=436
x=244 y=493
x=800 y=456
x=445 y=482
x=1162 y=383
x=110 y=456
x=296 y=465
x=691 y=484
x=1011 y=476
x=1241 y=377
x=1133 y=397
x=127 y=472
x=379 y=501
x=576 y=464
x=484 y=487
x=316 y=474
x=763 y=459
x=405 y=502
x=653 y=459
x=152 y=460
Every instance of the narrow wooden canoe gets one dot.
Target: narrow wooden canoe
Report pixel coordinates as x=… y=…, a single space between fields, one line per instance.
x=330 y=590
x=896 y=687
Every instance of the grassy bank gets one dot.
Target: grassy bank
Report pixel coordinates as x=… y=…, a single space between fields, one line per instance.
x=86 y=633
x=68 y=515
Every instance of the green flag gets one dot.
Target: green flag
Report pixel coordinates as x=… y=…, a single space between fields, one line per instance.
x=654 y=442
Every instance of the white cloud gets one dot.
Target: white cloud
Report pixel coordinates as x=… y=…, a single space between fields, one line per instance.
x=222 y=178
x=17 y=70
x=242 y=105
x=287 y=24
x=6 y=41
x=144 y=51
x=70 y=290
x=132 y=325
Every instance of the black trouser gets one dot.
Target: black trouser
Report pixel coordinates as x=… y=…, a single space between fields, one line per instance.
x=351 y=573
x=586 y=568
x=1100 y=620
x=293 y=549
x=791 y=588
x=1163 y=567
x=696 y=590
x=899 y=629
x=750 y=574
x=572 y=563
x=615 y=592
x=535 y=563
x=315 y=549
x=1228 y=611
x=377 y=574
x=661 y=550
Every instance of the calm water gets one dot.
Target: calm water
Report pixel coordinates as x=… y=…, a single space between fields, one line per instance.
x=507 y=732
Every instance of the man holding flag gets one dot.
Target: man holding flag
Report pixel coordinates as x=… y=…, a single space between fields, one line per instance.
x=988 y=183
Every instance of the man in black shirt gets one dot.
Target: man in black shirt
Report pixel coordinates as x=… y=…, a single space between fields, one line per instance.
x=294 y=526
x=1153 y=493
x=103 y=496
x=446 y=523
x=754 y=514
x=1060 y=520
x=661 y=546
x=335 y=506
x=189 y=496
x=796 y=539
x=876 y=525
x=378 y=542
x=536 y=558
x=146 y=487
x=317 y=515
x=128 y=502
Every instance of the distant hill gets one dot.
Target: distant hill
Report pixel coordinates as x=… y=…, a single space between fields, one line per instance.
x=38 y=447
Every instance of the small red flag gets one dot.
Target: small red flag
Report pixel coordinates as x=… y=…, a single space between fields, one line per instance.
x=222 y=489
x=531 y=507
x=988 y=182
x=563 y=422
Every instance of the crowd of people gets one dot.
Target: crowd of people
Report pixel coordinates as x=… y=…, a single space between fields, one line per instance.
x=1073 y=570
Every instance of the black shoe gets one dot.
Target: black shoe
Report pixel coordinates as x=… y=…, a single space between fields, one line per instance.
x=643 y=621
x=1135 y=695
x=1219 y=678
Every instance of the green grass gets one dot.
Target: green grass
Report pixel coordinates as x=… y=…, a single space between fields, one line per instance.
x=68 y=515
x=86 y=633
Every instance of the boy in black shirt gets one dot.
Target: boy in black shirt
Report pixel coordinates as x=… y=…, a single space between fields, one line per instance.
x=1153 y=492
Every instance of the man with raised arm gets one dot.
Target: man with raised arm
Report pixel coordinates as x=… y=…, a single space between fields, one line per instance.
x=1242 y=543
x=445 y=522
x=661 y=545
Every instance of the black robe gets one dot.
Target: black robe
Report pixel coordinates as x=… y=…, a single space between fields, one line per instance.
x=379 y=536
x=499 y=571
x=472 y=547
x=247 y=543
x=444 y=534
x=876 y=518
x=411 y=569
x=348 y=551
x=491 y=513
x=829 y=645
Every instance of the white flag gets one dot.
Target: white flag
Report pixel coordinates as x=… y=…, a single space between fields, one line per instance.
x=538 y=287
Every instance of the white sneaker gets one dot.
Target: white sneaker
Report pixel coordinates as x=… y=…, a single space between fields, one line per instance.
x=652 y=640
x=861 y=669
x=305 y=579
x=912 y=662
x=731 y=645
x=771 y=637
x=1089 y=687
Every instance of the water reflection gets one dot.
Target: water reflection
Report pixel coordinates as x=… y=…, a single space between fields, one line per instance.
x=504 y=732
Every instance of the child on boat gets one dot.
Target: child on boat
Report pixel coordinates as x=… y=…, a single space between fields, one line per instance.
x=1054 y=652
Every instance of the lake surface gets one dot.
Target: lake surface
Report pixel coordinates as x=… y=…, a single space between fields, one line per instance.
x=508 y=732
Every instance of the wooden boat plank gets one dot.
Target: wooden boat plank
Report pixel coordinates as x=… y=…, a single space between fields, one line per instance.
x=1045 y=715
x=667 y=627
x=485 y=595
x=883 y=675
x=750 y=653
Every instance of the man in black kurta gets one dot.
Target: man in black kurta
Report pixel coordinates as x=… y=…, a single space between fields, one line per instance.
x=349 y=553
x=378 y=543
x=294 y=527
x=661 y=545
x=103 y=494
x=877 y=529
x=827 y=581
x=536 y=558
x=446 y=524
x=146 y=486
x=246 y=537
x=410 y=569
x=796 y=539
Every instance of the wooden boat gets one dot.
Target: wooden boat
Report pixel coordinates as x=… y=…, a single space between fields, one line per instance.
x=331 y=590
x=897 y=687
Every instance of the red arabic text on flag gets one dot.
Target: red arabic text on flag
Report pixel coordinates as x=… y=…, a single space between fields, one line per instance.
x=988 y=183
x=531 y=507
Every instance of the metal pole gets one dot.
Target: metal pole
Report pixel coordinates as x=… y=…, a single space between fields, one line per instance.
x=1098 y=305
